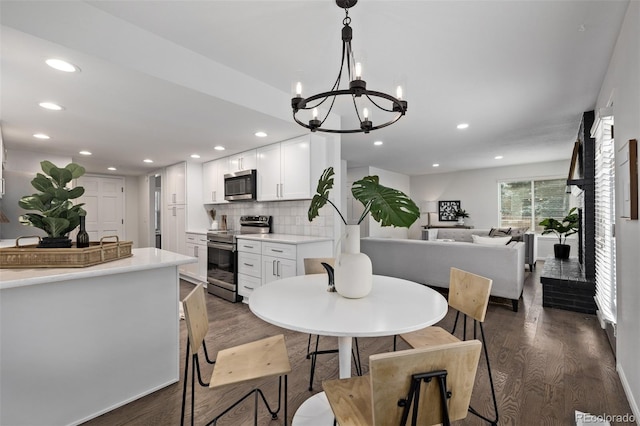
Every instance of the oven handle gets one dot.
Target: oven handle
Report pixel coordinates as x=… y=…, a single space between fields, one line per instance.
x=227 y=247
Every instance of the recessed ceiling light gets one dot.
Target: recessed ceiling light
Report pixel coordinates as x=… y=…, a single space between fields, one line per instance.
x=219 y=148
x=436 y=165
x=112 y=168
x=378 y=143
x=261 y=134
x=147 y=160
x=462 y=126
x=41 y=136
x=498 y=157
x=85 y=153
x=61 y=65
x=51 y=106
x=195 y=156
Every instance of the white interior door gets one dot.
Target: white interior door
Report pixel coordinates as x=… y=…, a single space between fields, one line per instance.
x=104 y=203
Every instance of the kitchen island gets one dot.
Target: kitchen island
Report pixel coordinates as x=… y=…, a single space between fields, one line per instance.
x=78 y=342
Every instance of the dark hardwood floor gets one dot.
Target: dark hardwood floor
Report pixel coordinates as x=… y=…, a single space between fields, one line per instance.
x=546 y=364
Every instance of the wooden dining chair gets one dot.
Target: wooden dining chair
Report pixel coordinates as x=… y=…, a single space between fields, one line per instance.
x=255 y=360
x=424 y=386
x=468 y=295
x=313 y=265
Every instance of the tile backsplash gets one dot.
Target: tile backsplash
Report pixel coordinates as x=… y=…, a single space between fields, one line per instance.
x=289 y=217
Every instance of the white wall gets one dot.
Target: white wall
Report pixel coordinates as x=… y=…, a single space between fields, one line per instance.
x=622 y=87
x=477 y=190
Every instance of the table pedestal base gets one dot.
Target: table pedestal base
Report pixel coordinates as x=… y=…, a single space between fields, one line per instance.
x=315 y=411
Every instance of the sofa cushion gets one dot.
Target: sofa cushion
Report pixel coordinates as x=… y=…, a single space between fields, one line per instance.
x=491 y=241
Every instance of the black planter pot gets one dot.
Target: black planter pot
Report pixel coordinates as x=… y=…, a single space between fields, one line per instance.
x=561 y=251
x=55 y=242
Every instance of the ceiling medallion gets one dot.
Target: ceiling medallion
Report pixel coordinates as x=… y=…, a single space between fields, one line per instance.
x=357 y=91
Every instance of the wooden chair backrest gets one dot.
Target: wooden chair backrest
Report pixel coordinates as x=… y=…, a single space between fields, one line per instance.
x=313 y=265
x=469 y=293
x=195 y=315
x=390 y=376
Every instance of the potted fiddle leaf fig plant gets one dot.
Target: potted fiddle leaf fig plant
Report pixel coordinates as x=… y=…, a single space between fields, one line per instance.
x=57 y=214
x=569 y=225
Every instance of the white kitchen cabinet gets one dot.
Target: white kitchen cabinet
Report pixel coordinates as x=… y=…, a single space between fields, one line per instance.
x=286 y=170
x=173 y=234
x=182 y=189
x=213 y=181
x=243 y=161
x=196 y=246
x=249 y=267
x=175 y=184
x=276 y=268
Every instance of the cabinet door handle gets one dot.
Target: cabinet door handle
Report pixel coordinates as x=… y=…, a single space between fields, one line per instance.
x=277 y=251
x=247 y=287
x=213 y=195
x=249 y=247
x=248 y=264
x=173 y=197
x=174 y=211
x=195 y=251
x=241 y=163
x=278 y=268
x=273 y=268
x=281 y=191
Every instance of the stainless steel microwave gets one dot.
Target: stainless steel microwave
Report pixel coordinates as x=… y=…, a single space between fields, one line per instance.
x=240 y=185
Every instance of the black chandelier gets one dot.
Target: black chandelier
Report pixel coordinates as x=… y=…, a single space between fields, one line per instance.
x=357 y=89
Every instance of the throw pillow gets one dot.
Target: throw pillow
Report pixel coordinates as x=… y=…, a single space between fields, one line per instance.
x=499 y=232
x=517 y=234
x=491 y=241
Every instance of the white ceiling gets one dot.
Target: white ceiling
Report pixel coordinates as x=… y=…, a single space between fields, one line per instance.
x=165 y=79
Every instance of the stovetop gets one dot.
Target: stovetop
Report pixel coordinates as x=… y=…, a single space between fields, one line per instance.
x=248 y=225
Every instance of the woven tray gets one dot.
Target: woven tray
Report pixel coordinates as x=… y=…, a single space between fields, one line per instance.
x=30 y=256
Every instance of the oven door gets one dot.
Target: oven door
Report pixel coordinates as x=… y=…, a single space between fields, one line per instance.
x=221 y=270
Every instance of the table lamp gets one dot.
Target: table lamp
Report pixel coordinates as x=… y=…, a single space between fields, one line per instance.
x=428 y=207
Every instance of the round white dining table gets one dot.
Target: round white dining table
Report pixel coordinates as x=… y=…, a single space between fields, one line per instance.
x=302 y=303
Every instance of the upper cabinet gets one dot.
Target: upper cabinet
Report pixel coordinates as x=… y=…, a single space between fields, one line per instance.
x=213 y=180
x=243 y=161
x=285 y=169
x=176 y=184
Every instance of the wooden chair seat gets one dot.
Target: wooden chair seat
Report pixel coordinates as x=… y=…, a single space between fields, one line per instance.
x=373 y=399
x=429 y=336
x=255 y=360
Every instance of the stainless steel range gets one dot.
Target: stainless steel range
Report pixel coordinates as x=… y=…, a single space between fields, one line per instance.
x=222 y=273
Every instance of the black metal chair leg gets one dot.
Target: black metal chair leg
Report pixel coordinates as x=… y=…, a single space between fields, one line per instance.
x=184 y=385
x=309 y=347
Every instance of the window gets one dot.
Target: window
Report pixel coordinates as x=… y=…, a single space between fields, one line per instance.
x=525 y=203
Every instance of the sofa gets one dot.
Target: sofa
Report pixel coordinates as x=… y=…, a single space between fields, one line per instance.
x=429 y=262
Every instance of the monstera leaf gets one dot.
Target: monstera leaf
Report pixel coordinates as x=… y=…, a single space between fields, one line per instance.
x=388 y=206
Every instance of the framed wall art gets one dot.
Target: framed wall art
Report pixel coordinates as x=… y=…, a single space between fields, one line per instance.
x=447 y=210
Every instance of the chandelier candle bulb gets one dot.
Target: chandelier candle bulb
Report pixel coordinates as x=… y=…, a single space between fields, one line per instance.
x=298 y=89
x=315 y=113
x=358 y=71
x=365 y=113
x=399 y=93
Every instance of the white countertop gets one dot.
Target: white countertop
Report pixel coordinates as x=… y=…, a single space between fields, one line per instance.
x=283 y=238
x=142 y=259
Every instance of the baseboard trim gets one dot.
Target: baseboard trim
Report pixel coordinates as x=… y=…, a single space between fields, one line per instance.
x=627 y=390
x=125 y=402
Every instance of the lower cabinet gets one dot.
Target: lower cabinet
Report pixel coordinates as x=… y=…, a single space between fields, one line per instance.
x=261 y=262
x=196 y=246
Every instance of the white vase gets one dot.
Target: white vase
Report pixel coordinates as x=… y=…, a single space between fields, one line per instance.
x=353 y=270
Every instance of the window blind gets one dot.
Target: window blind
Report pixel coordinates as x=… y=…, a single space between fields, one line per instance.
x=605 y=220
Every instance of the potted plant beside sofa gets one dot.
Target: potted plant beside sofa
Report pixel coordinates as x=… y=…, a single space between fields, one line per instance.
x=461 y=215
x=564 y=228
